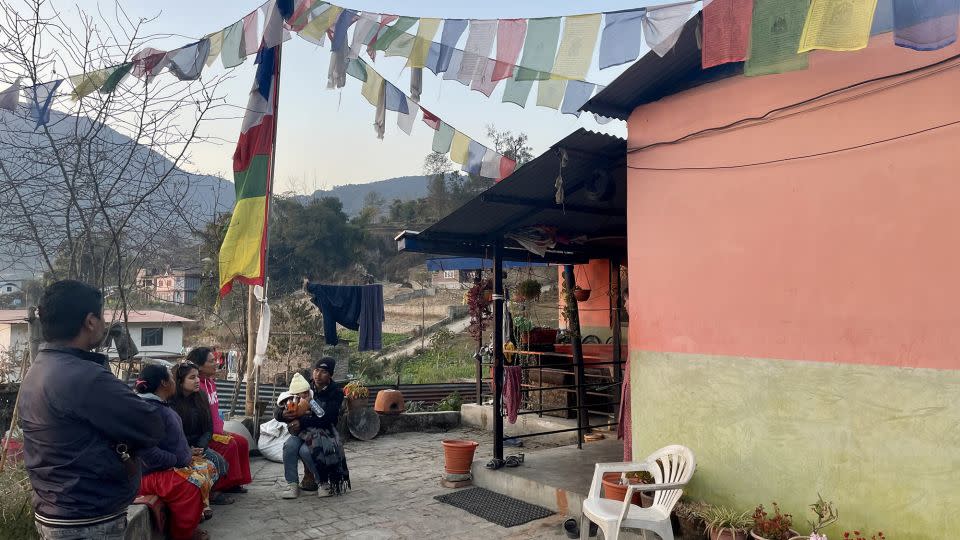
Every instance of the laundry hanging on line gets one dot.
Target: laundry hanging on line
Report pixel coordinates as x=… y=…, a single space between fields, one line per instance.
x=355 y=307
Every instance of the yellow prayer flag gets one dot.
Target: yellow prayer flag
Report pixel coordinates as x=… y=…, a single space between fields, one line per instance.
x=576 y=47
x=372 y=87
x=421 y=45
x=318 y=27
x=837 y=25
x=216 y=43
x=460 y=148
x=87 y=83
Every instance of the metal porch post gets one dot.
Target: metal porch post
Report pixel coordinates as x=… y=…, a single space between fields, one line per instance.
x=498 y=349
x=617 y=336
x=573 y=320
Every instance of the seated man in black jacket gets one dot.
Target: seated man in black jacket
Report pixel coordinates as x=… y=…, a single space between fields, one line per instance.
x=312 y=412
x=81 y=425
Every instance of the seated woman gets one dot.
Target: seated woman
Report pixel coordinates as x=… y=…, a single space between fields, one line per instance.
x=172 y=471
x=315 y=424
x=191 y=404
x=233 y=448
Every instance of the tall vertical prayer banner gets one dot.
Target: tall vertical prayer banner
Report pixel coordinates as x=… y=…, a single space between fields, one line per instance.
x=243 y=253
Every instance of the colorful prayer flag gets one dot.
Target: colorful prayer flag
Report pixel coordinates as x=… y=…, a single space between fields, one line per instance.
x=439 y=55
x=550 y=93
x=539 y=51
x=363 y=32
x=341 y=28
x=216 y=45
x=430 y=119
x=578 y=93
x=460 y=148
x=395 y=100
x=837 y=25
x=576 y=47
x=85 y=84
x=250 y=26
x=372 y=87
x=356 y=70
x=232 y=42
x=243 y=252
x=490 y=166
x=421 y=46
x=443 y=138
x=622 y=37
x=391 y=33
x=475 y=153
x=882 y=18
x=510 y=34
x=726 y=31
x=476 y=52
x=187 y=62
x=41 y=98
x=10 y=98
x=317 y=28
x=116 y=77
x=925 y=26
x=662 y=26
x=149 y=62
x=507 y=166
x=775 y=37
x=405 y=120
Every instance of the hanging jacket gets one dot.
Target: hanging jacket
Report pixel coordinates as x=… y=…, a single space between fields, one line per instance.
x=73 y=413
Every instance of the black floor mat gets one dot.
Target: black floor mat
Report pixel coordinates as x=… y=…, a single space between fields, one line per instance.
x=494 y=507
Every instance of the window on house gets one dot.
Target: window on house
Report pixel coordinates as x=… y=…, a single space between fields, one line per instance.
x=9 y=289
x=449 y=274
x=151 y=337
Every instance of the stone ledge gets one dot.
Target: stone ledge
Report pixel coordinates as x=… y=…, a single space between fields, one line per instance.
x=429 y=422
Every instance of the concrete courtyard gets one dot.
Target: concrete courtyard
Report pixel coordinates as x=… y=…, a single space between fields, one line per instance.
x=395 y=478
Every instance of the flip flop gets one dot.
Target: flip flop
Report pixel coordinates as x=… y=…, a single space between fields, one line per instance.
x=495 y=464
x=514 y=461
x=222 y=500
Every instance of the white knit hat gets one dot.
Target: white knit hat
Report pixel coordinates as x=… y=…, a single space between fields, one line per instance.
x=298 y=384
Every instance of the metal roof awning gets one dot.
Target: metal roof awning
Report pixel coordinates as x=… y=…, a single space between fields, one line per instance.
x=654 y=77
x=528 y=198
x=471 y=263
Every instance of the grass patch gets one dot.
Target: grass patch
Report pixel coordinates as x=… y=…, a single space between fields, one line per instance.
x=16 y=511
x=353 y=336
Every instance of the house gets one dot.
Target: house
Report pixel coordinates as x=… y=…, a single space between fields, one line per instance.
x=458 y=272
x=792 y=283
x=175 y=285
x=155 y=333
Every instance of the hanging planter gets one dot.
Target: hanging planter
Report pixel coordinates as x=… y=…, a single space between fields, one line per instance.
x=528 y=289
x=582 y=295
x=458 y=455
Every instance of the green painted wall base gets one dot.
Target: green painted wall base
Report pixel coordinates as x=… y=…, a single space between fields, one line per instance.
x=882 y=443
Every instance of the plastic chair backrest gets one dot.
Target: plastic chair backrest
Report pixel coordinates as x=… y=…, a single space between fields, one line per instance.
x=671 y=464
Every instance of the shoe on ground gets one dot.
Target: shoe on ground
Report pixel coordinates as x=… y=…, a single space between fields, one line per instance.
x=324 y=493
x=292 y=492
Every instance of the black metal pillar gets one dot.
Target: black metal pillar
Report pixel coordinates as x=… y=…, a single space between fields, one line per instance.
x=573 y=323
x=498 y=349
x=615 y=288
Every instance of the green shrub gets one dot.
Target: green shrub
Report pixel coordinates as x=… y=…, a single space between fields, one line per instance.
x=453 y=402
x=16 y=512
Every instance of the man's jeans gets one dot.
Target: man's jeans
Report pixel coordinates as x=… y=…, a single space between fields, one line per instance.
x=294 y=450
x=111 y=530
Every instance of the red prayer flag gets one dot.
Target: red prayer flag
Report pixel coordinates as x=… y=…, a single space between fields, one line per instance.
x=510 y=34
x=507 y=166
x=430 y=119
x=726 y=31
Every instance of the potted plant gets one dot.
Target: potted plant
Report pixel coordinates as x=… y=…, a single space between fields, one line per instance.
x=725 y=524
x=615 y=487
x=357 y=395
x=772 y=527
x=858 y=535
x=458 y=455
x=528 y=289
x=522 y=326
x=582 y=295
x=689 y=516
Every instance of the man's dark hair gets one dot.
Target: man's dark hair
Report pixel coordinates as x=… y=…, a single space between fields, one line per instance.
x=64 y=306
x=199 y=355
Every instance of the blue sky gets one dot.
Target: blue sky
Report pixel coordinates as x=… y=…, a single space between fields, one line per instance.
x=326 y=137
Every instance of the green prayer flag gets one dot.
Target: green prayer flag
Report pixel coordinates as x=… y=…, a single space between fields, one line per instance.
x=391 y=33
x=232 y=42
x=442 y=138
x=775 y=37
x=357 y=70
x=539 y=50
x=113 y=80
x=517 y=92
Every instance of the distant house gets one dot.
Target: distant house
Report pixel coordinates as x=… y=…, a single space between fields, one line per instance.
x=175 y=285
x=11 y=293
x=155 y=333
x=451 y=279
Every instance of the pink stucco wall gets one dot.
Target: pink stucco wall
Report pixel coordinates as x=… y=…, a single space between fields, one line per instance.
x=850 y=257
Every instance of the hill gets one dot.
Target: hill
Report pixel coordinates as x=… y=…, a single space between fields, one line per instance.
x=405 y=188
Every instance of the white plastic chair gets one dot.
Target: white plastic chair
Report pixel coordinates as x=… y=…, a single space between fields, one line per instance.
x=671 y=467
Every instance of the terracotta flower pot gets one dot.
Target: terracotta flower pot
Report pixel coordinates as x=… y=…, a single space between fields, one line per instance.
x=727 y=534
x=613 y=490
x=357 y=403
x=582 y=295
x=756 y=536
x=458 y=455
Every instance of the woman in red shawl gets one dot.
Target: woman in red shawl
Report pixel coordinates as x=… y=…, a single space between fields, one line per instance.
x=234 y=448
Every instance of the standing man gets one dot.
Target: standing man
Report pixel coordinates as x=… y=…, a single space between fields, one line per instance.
x=81 y=425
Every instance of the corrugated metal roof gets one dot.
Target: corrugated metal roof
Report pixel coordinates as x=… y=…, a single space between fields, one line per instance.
x=654 y=77
x=527 y=197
